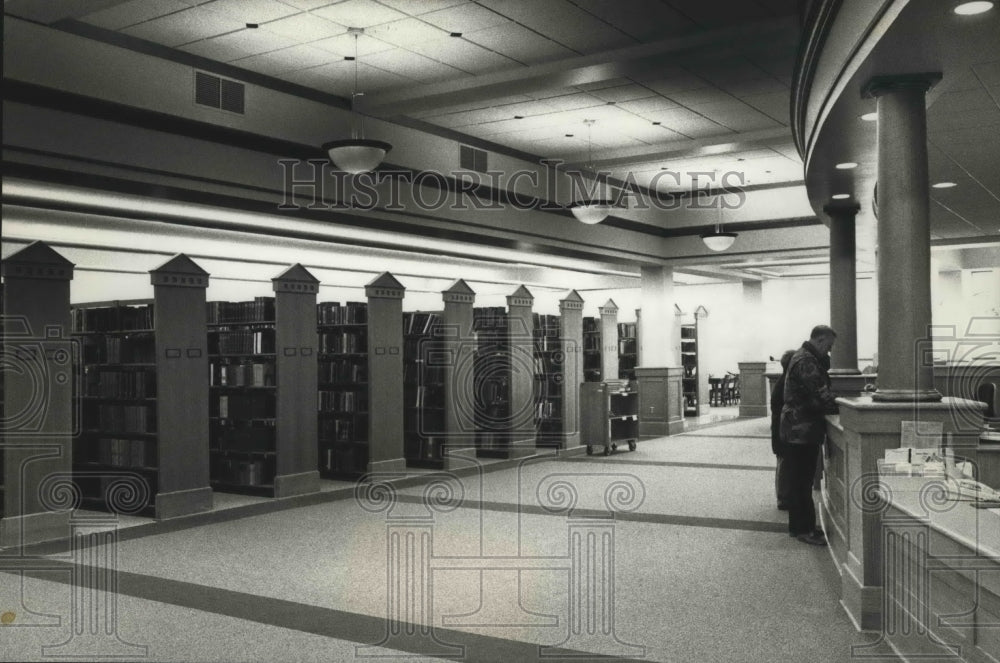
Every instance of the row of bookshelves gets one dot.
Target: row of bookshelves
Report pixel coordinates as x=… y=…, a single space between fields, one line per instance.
x=241 y=374
x=136 y=384
x=135 y=348
x=113 y=318
x=241 y=342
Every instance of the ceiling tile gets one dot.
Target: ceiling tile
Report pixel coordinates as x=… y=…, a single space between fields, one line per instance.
x=647 y=105
x=252 y=11
x=573 y=101
x=703 y=96
x=643 y=19
x=564 y=23
x=421 y=6
x=329 y=77
x=130 y=13
x=463 y=55
x=412 y=65
x=465 y=18
x=688 y=123
x=671 y=85
x=359 y=13
x=775 y=105
x=737 y=116
x=305 y=27
x=959 y=102
x=755 y=86
x=621 y=93
x=519 y=43
x=988 y=72
x=185 y=26
x=720 y=12
x=235 y=45
x=285 y=60
x=406 y=32
x=344 y=44
x=309 y=5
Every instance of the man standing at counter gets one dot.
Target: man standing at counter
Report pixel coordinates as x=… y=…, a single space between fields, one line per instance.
x=808 y=400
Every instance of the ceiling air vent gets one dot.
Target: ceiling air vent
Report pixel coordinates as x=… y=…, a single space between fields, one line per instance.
x=220 y=93
x=472 y=159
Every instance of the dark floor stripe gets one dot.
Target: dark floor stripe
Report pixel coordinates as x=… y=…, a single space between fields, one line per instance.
x=652 y=518
x=665 y=463
x=327 y=622
x=158 y=527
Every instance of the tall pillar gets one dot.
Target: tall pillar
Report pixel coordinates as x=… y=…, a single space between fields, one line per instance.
x=658 y=328
x=182 y=393
x=571 y=338
x=904 y=261
x=459 y=374
x=659 y=375
x=521 y=344
x=609 y=341
x=297 y=371
x=385 y=371
x=38 y=373
x=843 y=289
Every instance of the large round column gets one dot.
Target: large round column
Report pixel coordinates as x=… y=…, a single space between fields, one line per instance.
x=905 y=371
x=843 y=289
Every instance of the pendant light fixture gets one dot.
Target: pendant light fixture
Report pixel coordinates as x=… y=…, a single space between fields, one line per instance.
x=591 y=210
x=356 y=154
x=718 y=240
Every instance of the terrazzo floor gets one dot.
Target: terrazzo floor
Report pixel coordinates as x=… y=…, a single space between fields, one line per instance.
x=523 y=562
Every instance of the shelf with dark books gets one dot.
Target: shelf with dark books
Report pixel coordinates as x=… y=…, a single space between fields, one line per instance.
x=627 y=350
x=423 y=391
x=549 y=359
x=492 y=382
x=342 y=405
x=116 y=397
x=689 y=362
x=243 y=384
x=592 y=349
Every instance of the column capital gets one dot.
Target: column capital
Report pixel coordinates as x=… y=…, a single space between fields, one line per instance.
x=879 y=85
x=839 y=210
x=296 y=279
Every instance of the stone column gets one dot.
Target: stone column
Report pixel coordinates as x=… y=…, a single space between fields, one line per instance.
x=385 y=372
x=609 y=341
x=843 y=289
x=459 y=376
x=521 y=348
x=38 y=373
x=571 y=338
x=904 y=263
x=659 y=375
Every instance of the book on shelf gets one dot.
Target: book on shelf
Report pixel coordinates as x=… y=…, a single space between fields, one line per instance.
x=334 y=313
x=261 y=309
x=123 y=317
x=242 y=374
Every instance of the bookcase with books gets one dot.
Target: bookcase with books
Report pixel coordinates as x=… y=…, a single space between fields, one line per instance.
x=549 y=379
x=360 y=373
x=343 y=389
x=689 y=362
x=424 y=390
x=263 y=379
x=492 y=381
x=243 y=386
x=143 y=400
x=117 y=398
x=591 y=349
x=627 y=350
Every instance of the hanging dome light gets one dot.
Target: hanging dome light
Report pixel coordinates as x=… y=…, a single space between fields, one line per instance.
x=718 y=240
x=591 y=210
x=357 y=154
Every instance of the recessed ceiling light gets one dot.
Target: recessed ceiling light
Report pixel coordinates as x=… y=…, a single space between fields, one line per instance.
x=569 y=135
x=253 y=26
x=944 y=185
x=870 y=117
x=518 y=117
x=611 y=103
x=657 y=124
x=847 y=165
x=456 y=34
x=349 y=58
x=841 y=196
x=970 y=8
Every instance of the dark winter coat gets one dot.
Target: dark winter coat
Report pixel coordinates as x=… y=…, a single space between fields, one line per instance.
x=808 y=398
x=777 y=402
